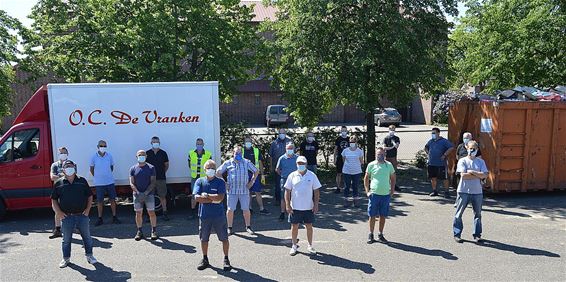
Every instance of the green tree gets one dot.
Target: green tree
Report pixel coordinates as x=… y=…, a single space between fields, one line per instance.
x=329 y=52
x=505 y=43
x=145 y=40
x=9 y=27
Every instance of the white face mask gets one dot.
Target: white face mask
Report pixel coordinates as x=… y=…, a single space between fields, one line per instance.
x=63 y=157
x=155 y=145
x=210 y=172
x=141 y=159
x=69 y=171
x=353 y=145
x=282 y=136
x=310 y=139
x=391 y=133
x=248 y=145
x=344 y=134
x=466 y=140
x=102 y=149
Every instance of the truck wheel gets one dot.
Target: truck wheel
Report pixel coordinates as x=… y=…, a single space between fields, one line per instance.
x=158 y=206
x=2 y=209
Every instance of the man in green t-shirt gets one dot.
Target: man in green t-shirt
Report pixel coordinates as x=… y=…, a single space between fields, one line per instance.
x=379 y=183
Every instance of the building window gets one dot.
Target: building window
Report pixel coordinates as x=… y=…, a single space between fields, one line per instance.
x=257 y=99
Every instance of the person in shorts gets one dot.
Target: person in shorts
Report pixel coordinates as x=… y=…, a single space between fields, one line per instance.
x=239 y=185
x=142 y=181
x=101 y=168
x=159 y=159
x=379 y=183
x=438 y=149
x=302 y=195
x=253 y=154
x=341 y=143
x=209 y=192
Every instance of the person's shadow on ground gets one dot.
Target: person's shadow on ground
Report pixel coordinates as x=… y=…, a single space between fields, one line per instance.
x=421 y=250
x=515 y=249
x=332 y=260
x=239 y=274
x=101 y=273
x=168 y=245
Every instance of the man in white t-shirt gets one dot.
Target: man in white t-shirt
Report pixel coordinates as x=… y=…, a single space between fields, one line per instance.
x=300 y=187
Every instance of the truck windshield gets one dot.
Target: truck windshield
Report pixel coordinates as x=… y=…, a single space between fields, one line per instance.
x=21 y=144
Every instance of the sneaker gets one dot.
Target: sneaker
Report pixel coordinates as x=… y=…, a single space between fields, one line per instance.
x=478 y=239
x=203 y=264
x=165 y=217
x=56 y=233
x=264 y=211
x=250 y=231
x=91 y=259
x=433 y=194
x=64 y=263
x=282 y=216
x=227 y=266
x=139 y=236
x=293 y=250
x=458 y=239
x=115 y=220
x=99 y=222
x=371 y=239
x=230 y=231
x=154 y=235
x=381 y=238
x=311 y=250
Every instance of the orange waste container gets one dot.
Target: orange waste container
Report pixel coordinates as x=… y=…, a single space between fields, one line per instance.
x=523 y=143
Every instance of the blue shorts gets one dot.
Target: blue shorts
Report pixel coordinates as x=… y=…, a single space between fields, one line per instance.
x=378 y=205
x=106 y=189
x=257 y=187
x=305 y=217
x=216 y=224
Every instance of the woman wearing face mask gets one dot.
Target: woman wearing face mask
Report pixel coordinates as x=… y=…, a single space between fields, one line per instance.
x=352 y=171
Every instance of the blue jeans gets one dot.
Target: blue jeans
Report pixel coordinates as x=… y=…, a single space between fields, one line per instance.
x=351 y=181
x=465 y=198
x=68 y=225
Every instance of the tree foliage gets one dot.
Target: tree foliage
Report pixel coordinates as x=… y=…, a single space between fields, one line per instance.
x=143 y=40
x=9 y=27
x=329 y=52
x=505 y=43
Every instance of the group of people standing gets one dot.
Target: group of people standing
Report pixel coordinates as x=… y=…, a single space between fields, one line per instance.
x=296 y=186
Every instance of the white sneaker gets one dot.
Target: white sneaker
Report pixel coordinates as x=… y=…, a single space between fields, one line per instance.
x=311 y=250
x=293 y=250
x=64 y=263
x=91 y=259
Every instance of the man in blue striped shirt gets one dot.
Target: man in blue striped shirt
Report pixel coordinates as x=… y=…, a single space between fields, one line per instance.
x=239 y=185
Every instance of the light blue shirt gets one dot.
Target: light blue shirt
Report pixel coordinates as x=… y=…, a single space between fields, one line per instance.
x=287 y=165
x=102 y=171
x=237 y=175
x=470 y=186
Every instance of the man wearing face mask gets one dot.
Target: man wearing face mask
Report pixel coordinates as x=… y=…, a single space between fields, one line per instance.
x=55 y=174
x=309 y=149
x=239 y=185
x=285 y=166
x=276 y=150
x=391 y=145
x=101 y=168
x=253 y=154
x=159 y=159
x=209 y=192
x=438 y=149
x=472 y=170
x=72 y=199
x=342 y=142
x=142 y=182
x=462 y=152
x=197 y=158
x=379 y=183
x=302 y=195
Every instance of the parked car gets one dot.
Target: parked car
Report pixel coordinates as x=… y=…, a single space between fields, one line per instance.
x=276 y=114
x=387 y=116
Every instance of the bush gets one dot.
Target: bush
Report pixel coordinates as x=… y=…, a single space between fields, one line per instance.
x=442 y=105
x=421 y=159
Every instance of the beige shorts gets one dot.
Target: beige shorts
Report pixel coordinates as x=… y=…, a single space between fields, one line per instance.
x=161 y=188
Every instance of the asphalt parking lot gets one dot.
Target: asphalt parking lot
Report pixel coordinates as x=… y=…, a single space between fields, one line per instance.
x=525 y=240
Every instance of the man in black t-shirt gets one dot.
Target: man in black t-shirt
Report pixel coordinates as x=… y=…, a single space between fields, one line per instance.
x=309 y=149
x=159 y=159
x=342 y=142
x=72 y=199
x=391 y=144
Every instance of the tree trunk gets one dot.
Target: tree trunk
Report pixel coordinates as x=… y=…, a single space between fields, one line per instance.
x=370 y=144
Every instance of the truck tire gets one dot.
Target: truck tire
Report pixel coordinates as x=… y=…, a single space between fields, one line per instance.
x=2 y=209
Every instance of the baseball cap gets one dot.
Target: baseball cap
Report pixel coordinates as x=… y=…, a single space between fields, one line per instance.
x=301 y=159
x=68 y=162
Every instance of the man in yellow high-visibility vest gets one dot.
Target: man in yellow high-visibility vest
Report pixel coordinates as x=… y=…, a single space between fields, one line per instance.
x=253 y=154
x=197 y=158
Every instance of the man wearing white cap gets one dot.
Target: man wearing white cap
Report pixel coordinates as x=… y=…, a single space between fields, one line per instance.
x=300 y=187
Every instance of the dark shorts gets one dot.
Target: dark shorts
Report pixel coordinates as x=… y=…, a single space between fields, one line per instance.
x=378 y=205
x=105 y=189
x=257 y=187
x=438 y=172
x=304 y=217
x=218 y=224
x=339 y=165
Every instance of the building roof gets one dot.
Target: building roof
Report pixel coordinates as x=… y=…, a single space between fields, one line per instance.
x=261 y=12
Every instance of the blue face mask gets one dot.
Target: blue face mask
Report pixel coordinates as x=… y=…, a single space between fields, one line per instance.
x=238 y=157
x=433 y=136
x=200 y=147
x=301 y=167
x=380 y=158
x=466 y=140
